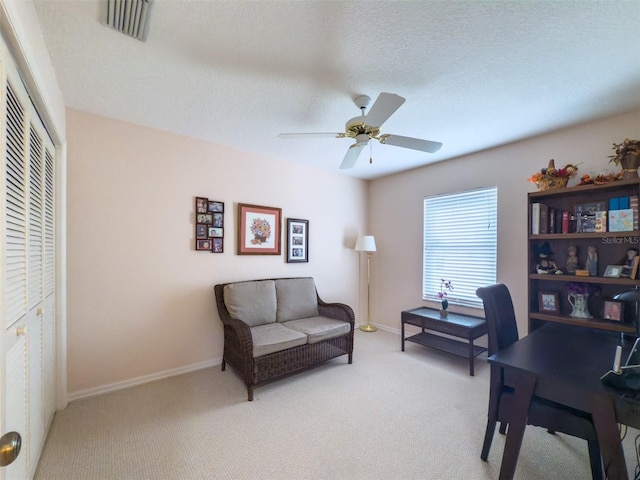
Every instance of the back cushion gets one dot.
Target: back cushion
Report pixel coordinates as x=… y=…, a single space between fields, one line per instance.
x=296 y=299
x=252 y=302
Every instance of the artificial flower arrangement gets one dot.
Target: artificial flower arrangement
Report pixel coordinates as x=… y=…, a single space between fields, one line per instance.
x=623 y=149
x=445 y=285
x=551 y=177
x=577 y=288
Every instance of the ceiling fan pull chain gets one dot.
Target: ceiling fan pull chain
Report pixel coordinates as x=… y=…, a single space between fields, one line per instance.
x=370 y=154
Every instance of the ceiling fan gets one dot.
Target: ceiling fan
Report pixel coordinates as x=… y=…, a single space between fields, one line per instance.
x=367 y=127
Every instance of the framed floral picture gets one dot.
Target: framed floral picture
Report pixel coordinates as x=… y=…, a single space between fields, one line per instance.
x=259 y=230
x=297 y=240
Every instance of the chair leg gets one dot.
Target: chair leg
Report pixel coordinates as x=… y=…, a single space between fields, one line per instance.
x=488 y=438
x=595 y=460
x=503 y=427
x=224 y=364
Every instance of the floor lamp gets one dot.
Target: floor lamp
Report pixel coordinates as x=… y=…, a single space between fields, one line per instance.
x=367 y=244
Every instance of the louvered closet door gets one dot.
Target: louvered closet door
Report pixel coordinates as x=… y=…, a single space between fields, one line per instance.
x=27 y=263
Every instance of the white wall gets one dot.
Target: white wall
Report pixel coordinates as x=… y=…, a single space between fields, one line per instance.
x=140 y=298
x=395 y=209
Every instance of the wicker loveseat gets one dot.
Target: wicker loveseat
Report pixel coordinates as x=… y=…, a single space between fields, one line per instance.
x=276 y=327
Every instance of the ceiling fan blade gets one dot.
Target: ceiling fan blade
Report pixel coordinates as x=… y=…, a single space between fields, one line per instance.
x=409 y=142
x=385 y=105
x=311 y=135
x=352 y=155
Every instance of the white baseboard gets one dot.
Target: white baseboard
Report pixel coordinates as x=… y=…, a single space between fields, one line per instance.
x=141 y=380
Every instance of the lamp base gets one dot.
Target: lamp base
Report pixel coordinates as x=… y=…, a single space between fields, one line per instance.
x=368 y=328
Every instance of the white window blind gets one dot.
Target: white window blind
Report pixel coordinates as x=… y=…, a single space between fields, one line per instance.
x=460 y=244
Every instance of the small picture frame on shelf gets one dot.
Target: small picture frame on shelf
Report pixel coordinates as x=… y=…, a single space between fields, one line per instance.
x=613 y=271
x=630 y=271
x=548 y=302
x=613 y=310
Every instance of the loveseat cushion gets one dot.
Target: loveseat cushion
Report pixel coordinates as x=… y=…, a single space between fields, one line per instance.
x=274 y=337
x=319 y=328
x=297 y=298
x=252 y=302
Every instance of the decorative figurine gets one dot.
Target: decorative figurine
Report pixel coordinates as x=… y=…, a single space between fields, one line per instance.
x=545 y=263
x=572 y=259
x=592 y=261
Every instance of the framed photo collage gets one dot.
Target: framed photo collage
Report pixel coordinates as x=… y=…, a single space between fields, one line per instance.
x=209 y=225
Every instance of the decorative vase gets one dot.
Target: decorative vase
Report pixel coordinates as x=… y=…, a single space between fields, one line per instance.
x=630 y=163
x=579 y=303
x=444 y=313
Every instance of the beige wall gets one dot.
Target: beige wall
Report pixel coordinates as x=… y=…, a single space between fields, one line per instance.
x=140 y=299
x=395 y=208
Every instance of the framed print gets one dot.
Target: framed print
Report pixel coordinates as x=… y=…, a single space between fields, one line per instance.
x=203 y=245
x=201 y=231
x=548 y=302
x=216 y=232
x=297 y=240
x=259 y=230
x=613 y=271
x=218 y=245
x=216 y=206
x=202 y=205
x=613 y=310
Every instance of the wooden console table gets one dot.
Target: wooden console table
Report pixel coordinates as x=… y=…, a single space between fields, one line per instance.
x=454 y=324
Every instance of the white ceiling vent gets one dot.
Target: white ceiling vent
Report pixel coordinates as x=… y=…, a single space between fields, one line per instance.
x=130 y=17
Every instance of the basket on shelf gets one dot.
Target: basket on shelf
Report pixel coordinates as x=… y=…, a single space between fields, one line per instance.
x=550 y=177
x=551 y=183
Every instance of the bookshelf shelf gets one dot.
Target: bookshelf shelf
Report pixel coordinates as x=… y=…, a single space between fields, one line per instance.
x=611 y=249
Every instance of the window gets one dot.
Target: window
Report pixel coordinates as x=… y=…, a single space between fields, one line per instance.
x=460 y=244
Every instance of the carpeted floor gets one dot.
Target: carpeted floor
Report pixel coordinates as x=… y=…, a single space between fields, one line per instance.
x=391 y=415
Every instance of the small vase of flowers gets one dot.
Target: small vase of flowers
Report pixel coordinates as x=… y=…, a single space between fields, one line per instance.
x=578 y=296
x=445 y=286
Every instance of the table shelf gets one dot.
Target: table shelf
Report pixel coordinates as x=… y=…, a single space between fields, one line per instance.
x=445 y=344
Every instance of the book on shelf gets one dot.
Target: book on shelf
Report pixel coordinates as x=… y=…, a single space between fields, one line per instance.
x=633 y=205
x=600 y=221
x=565 y=221
x=539 y=218
x=559 y=215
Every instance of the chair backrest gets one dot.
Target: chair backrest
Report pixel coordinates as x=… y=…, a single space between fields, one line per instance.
x=502 y=328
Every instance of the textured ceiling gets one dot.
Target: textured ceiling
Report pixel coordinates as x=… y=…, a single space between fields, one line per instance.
x=476 y=74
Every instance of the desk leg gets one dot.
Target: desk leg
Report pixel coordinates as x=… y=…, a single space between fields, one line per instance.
x=402 y=334
x=604 y=419
x=524 y=386
x=471 y=357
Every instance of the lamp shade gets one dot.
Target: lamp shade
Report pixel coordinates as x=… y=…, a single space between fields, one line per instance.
x=366 y=243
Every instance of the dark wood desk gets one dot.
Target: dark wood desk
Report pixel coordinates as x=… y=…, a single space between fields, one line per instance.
x=454 y=324
x=564 y=364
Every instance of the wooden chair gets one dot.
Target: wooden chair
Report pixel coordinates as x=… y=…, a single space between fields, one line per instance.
x=502 y=331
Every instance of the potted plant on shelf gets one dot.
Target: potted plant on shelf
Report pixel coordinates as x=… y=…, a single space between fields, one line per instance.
x=627 y=156
x=445 y=285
